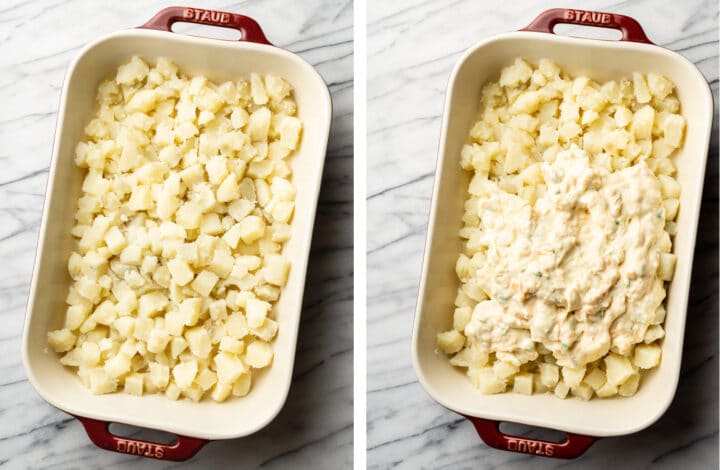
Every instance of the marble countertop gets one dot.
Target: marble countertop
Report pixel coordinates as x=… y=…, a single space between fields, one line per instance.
x=38 y=40
x=412 y=48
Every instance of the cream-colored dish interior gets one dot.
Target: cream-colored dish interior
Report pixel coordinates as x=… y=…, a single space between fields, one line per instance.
x=217 y=60
x=600 y=60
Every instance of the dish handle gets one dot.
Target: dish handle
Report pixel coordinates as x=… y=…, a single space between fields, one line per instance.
x=630 y=28
x=574 y=446
x=249 y=28
x=99 y=432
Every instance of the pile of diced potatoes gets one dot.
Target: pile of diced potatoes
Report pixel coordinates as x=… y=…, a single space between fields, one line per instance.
x=185 y=208
x=529 y=115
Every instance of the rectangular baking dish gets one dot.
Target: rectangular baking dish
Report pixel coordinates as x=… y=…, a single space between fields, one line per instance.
x=601 y=60
x=218 y=60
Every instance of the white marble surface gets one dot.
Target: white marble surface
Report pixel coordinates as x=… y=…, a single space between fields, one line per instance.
x=412 y=47
x=38 y=39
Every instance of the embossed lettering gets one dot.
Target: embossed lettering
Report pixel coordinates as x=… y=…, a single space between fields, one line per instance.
x=140 y=448
x=531 y=447
x=512 y=444
x=588 y=17
x=206 y=16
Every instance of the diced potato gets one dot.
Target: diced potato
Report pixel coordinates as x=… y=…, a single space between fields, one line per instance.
x=199 y=341
x=61 y=340
x=485 y=380
x=561 y=389
x=666 y=267
x=617 y=369
x=242 y=385
x=258 y=354
x=582 y=391
x=572 y=376
x=549 y=374
x=523 y=383
x=504 y=370
x=117 y=366
x=134 y=384
x=595 y=378
x=184 y=374
x=647 y=356
x=204 y=282
x=450 y=341
x=630 y=386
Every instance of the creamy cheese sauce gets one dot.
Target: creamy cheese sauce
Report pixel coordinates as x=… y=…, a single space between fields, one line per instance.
x=576 y=271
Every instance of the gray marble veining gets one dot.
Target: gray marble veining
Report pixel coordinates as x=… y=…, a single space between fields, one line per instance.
x=38 y=39
x=412 y=47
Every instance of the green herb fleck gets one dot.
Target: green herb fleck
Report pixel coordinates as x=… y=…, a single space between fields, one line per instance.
x=599 y=314
x=617 y=222
x=564 y=346
x=659 y=214
x=538 y=274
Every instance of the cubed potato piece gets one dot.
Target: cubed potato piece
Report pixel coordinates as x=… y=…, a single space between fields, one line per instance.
x=125 y=326
x=255 y=312
x=158 y=340
x=105 y=313
x=206 y=379
x=204 y=283
x=630 y=386
x=669 y=187
x=485 y=380
x=642 y=123
x=659 y=86
x=61 y=340
x=267 y=330
x=152 y=304
x=666 y=267
x=640 y=88
x=654 y=333
x=134 y=384
x=189 y=215
x=572 y=376
x=237 y=326
x=190 y=310
x=75 y=316
x=258 y=354
x=184 y=374
x=143 y=327
x=180 y=271
x=242 y=385
x=240 y=208
x=117 y=366
x=231 y=345
x=504 y=370
x=134 y=71
x=671 y=208
x=251 y=228
x=582 y=391
x=222 y=263
x=607 y=390
x=674 y=128
x=177 y=346
x=89 y=354
x=647 y=356
x=88 y=289
x=523 y=383
x=115 y=240
x=595 y=378
x=276 y=270
x=229 y=367
x=259 y=124
x=194 y=392
x=199 y=341
x=617 y=369
x=450 y=341
x=221 y=391
x=561 y=389
x=461 y=317
x=549 y=374
x=159 y=375
x=172 y=391
x=290 y=129
x=228 y=190
x=101 y=383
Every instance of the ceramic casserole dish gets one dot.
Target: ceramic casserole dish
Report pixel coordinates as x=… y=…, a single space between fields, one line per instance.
x=601 y=60
x=219 y=60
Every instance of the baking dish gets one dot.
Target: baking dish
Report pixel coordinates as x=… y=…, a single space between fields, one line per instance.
x=219 y=60
x=602 y=60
